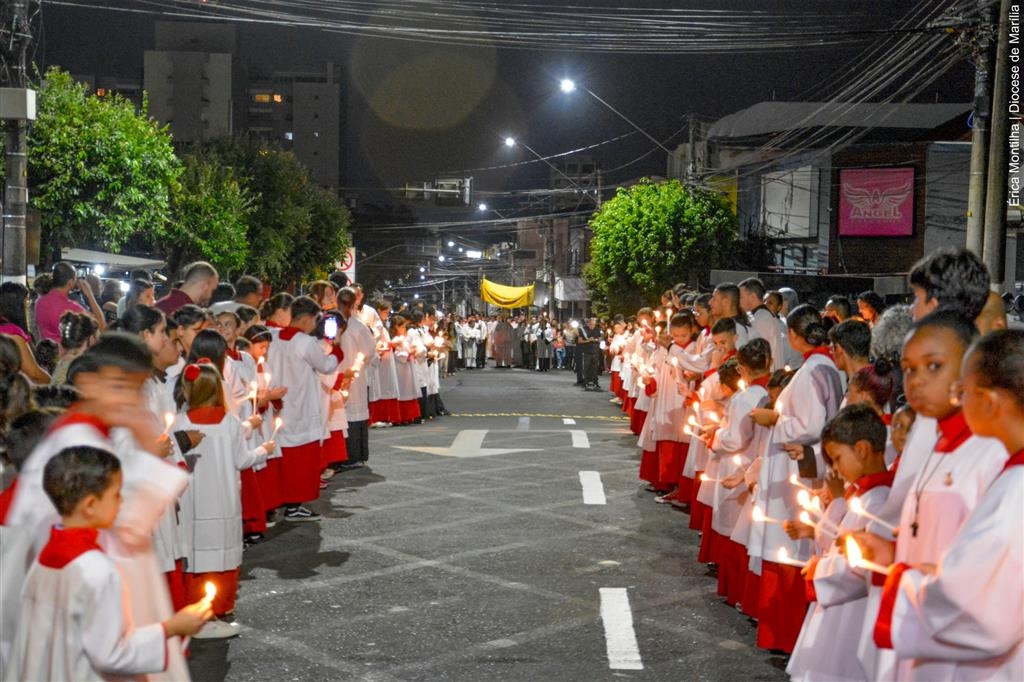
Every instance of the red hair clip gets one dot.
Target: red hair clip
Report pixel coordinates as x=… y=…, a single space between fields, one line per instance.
x=192 y=372
x=204 y=361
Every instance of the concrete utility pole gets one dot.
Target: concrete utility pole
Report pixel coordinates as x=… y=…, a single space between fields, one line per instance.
x=979 y=133
x=17 y=108
x=994 y=248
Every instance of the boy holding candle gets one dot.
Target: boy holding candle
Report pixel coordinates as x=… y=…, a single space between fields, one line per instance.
x=73 y=624
x=854 y=444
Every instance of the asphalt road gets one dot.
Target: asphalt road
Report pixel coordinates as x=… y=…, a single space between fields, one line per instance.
x=477 y=559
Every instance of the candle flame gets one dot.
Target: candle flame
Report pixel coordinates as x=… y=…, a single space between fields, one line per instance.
x=737 y=460
x=803 y=498
x=713 y=416
x=805 y=518
x=253 y=385
x=816 y=504
x=277 y=423
x=706 y=479
x=692 y=421
x=856 y=506
x=674 y=361
x=742 y=385
x=788 y=368
x=758 y=515
x=211 y=591
x=853 y=553
x=168 y=420
x=688 y=431
x=266 y=378
x=782 y=555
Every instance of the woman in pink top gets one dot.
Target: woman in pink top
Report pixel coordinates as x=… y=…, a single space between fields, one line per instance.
x=13 y=297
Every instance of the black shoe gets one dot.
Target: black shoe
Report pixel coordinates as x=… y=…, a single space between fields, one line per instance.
x=300 y=514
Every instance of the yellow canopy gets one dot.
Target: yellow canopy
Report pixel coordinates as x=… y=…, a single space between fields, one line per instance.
x=505 y=296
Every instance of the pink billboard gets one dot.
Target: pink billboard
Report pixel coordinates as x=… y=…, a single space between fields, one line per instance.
x=876 y=202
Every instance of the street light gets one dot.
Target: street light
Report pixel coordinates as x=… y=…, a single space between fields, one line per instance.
x=422 y=269
x=510 y=142
x=481 y=207
x=568 y=86
x=441 y=258
x=450 y=243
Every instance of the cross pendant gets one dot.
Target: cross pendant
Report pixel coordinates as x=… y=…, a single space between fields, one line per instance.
x=913 y=529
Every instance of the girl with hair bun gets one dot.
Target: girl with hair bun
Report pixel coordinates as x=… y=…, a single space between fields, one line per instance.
x=78 y=331
x=803 y=408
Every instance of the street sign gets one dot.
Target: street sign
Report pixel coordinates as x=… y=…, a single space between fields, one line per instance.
x=348 y=264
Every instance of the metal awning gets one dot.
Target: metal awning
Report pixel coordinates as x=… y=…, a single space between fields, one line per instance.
x=115 y=261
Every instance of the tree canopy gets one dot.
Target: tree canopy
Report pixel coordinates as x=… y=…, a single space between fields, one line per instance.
x=99 y=170
x=653 y=235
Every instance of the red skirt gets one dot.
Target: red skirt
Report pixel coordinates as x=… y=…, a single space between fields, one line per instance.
x=376 y=412
x=671 y=455
x=709 y=540
x=627 y=405
x=226 y=583
x=269 y=479
x=751 y=592
x=254 y=507
x=782 y=606
x=649 y=467
x=300 y=473
x=636 y=421
x=334 y=450
x=176 y=586
x=409 y=411
x=732 y=570
x=392 y=412
x=685 y=492
x=616 y=383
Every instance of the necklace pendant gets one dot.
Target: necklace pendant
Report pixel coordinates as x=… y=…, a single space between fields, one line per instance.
x=949 y=479
x=913 y=529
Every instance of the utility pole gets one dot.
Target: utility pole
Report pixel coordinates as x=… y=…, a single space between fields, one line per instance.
x=979 y=133
x=17 y=108
x=994 y=248
x=549 y=263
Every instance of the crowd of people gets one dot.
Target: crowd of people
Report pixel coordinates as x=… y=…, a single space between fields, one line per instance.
x=853 y=472
x=164 y=436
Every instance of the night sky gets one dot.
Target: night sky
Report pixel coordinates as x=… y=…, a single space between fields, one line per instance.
x=416 y=111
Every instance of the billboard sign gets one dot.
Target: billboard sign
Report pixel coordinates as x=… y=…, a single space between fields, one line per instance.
x=876 y=202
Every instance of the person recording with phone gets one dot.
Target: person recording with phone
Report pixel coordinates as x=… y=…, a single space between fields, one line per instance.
x=57 y=301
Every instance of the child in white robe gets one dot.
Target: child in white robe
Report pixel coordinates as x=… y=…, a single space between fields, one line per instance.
x=948 y=483
x=214 y=505
x=854 y=444
x=962 y=617
x=110 y=379
x=73 y=624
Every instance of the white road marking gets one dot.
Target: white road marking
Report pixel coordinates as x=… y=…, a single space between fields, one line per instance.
x=579 y=438
x=619 y=637
x=593 y=489
x=467 y=443
x=568 y=421
x=524 y=424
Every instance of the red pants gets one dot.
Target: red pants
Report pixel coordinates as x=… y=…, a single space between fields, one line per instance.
x=636 y=421
x=300 y=473
x=334 y=450
x=697 y=509
x=409 y=410
x=176 y=585
x=671 y=455
x=649 y=467
x=751 y=592
x=391 y=411
x=706 y=554
x=616 y=383
x=269 y=479
x=226 y=583
x=254 y=507
x=782 y=606
x=732 y=570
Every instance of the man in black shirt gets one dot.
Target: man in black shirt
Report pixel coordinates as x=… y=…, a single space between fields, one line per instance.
x=589 y=341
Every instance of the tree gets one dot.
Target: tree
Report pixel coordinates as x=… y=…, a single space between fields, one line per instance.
x=314 y=257
x=99 y=171
x=652 y=236
x=211 y=210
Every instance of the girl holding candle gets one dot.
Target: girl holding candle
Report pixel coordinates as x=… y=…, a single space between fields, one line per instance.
x=214 y=505
x=961 y=618
x=947 y=482
x=803 y=408
x=268 y=404
x=854 y=445
x=404 y=352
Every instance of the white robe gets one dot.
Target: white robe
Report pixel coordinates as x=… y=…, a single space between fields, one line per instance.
x=965 y=622
x=295 y=363
x=149 y=488
x=766 y=326
x=213 y=504
x=357 y=339
x=75 y=625
x=737 y=437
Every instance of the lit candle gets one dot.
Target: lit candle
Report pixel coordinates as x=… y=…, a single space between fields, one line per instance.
x=277 y=425
x=168 y=422
x=824 y=525
x=713 y=417
x=783 y=558
x=688 y=431
x=255 y=391
x=737 y=460
x=211 y=593
x=704 y=478
x=857 y=507
x=857 y=560
x=795 y=480
x=788 y=368
x=759 y=516
x=657 y=314
x=741 y=385
x=803 y=498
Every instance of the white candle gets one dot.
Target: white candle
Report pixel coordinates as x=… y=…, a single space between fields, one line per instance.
x=783 y=558
x=704 y=478
x=857 y=507
x=255 y=391
x=737 y=460
x=277 y=425
x=168 y=422
x=794 y=480
x=824 y=525
x=760 y=517
x=857 y=560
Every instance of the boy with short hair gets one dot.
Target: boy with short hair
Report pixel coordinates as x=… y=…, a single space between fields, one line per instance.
x=73 y=624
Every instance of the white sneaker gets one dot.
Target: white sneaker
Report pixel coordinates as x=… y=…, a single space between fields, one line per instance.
x=218 y=629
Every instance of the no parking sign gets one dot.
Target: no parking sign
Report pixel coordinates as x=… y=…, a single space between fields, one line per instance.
x=348 y=264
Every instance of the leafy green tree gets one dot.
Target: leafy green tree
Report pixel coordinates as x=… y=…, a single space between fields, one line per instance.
x=328 y=238
x=652 y=236
x=211 y=210
x=99 y=171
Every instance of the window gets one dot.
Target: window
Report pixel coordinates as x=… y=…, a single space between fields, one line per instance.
x=278 y=99
x=262 y=98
